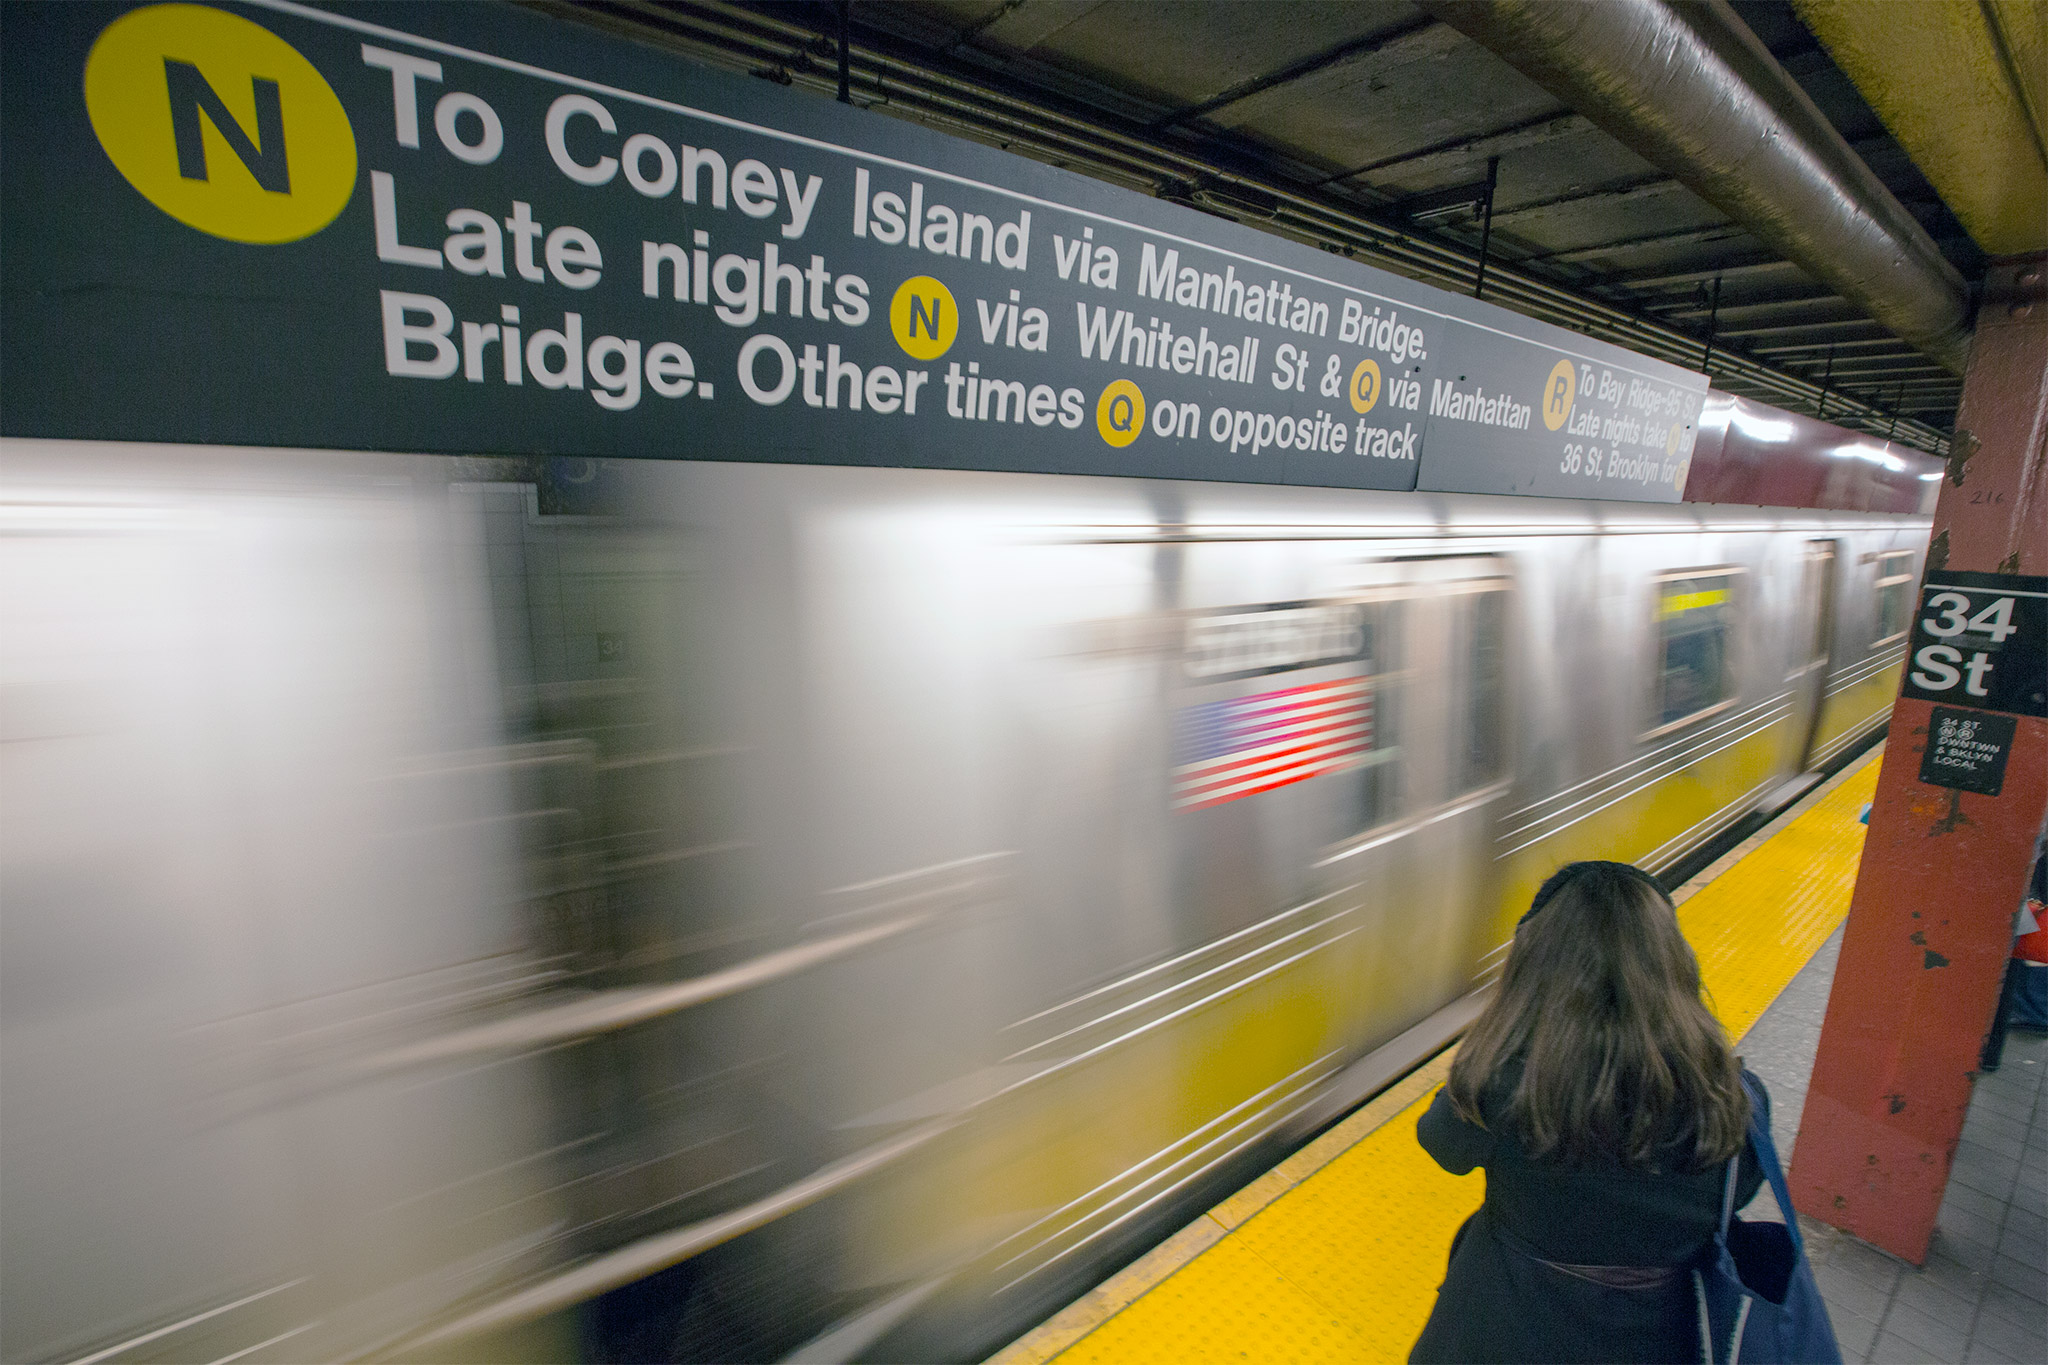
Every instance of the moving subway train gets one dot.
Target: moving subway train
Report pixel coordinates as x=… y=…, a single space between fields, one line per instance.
x=516 y=908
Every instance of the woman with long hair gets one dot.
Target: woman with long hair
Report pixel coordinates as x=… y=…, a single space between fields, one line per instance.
x=1603 y=1100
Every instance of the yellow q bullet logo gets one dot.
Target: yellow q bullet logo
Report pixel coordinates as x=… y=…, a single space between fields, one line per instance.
x=1365 y=386
x=220 y=123
x=1120 y=413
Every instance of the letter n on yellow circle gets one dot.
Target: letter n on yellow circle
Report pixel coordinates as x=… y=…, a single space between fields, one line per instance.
x=220 y=123
x=1365 y=386
x=1120 y=413
x=1558 y=392
x=924 y=318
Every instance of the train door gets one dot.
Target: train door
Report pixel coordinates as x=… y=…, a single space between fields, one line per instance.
x=1809 y=678
x=1341 y=753
x=635 y=775
x=1418 y=882
x=1326 y=744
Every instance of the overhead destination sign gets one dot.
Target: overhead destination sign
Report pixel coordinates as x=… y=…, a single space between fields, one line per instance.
x=478 y=230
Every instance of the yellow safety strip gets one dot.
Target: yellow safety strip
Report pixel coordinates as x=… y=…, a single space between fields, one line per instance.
x=1336 y=1253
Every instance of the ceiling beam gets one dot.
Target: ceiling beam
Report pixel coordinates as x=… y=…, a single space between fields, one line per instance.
x=1715 y=232
x=1862 y=382
x=1786 y=328
x=1936 y=76
x=1442 y=156
x=1390 y=47
x=1020 y=25
x=1860 y=343
x=975 y=28
x=1732 y=315
x=1874 y=386
x=1612 y=195
x=1686 y=280
x=1863 y=367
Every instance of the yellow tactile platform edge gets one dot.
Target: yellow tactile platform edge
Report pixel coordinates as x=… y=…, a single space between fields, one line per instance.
x=1336 y=1253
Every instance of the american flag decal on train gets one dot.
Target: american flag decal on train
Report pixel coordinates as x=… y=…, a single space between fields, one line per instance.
x=1228 y=749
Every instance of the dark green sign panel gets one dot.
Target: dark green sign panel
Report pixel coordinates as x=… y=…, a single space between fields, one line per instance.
x=474 y=229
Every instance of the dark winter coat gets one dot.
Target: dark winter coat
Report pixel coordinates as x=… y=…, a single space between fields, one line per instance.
x=1618 y=1242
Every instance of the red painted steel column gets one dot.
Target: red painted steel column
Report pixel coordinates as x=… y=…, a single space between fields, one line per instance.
x=1943 y=869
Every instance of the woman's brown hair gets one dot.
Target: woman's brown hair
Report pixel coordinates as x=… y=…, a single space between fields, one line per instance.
x=1600 y=1005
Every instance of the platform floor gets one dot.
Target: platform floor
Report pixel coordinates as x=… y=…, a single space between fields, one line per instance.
x=1336 y=1253
x=1980 y=1296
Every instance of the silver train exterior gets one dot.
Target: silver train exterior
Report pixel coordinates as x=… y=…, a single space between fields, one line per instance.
x=441 y=892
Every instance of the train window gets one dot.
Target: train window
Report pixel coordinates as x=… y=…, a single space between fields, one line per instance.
x=1480 y=743
x=1695 y=620
x=1306 y=695
x=1366 y=786
x=1894 y=595
x=1289 y=735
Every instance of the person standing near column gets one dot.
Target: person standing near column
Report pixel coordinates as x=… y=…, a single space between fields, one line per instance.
x=1603 y=1099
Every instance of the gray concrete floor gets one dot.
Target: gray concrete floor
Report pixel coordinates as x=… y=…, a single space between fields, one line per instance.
x=1983 y=1294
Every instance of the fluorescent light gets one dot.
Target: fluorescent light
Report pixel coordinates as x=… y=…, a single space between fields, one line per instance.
x=1761 y=428
x=1869 y=454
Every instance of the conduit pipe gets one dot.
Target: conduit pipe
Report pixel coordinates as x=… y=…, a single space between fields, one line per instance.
x=1692 y=90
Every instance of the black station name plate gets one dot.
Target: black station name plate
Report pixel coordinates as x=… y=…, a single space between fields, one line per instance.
x=1981 y=640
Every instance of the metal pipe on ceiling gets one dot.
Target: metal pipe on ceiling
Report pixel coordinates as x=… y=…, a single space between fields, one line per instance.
x=1693 y=91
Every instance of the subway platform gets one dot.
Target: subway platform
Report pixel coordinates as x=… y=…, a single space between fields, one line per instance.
x=1336 y=1253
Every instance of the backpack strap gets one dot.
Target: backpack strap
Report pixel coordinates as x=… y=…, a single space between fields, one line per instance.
x=1728 y=1194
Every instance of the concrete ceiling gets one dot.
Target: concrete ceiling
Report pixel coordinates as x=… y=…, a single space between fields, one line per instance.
x=1377 y=116
x=1963 y=87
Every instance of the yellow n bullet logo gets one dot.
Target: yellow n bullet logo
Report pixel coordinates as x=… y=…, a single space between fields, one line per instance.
x=220 y=123
x=191 y=97
x=923 y=317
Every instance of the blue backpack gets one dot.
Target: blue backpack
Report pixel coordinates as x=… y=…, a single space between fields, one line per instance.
x=1757 y=1300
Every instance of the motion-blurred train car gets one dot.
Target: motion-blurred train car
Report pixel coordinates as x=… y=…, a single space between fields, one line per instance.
x=689 y=911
